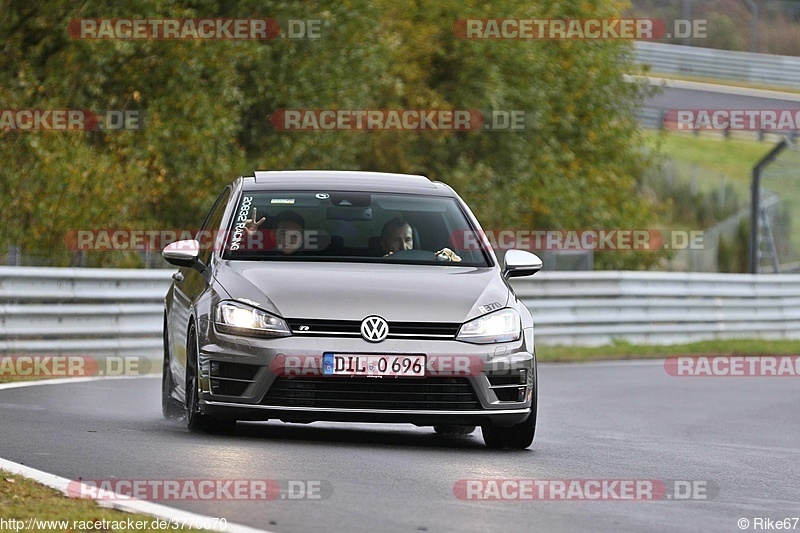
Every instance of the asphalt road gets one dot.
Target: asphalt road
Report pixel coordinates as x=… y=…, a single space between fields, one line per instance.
x=683 y=98
x=597 y=421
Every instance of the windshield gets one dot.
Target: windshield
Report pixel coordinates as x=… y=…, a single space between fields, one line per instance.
x=350 y=226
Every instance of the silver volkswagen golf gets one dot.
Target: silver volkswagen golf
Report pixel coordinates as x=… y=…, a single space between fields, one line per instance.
x=348 y=296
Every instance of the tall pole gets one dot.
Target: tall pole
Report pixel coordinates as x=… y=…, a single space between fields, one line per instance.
x=687 y=16
x=755 y=201
x=753 y=7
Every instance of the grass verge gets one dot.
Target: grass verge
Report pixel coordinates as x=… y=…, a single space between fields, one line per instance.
x=729 y=83
x=625 y=350
x=735 y=159
x=23 y=499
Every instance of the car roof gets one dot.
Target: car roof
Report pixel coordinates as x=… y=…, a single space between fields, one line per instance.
x=344 y=180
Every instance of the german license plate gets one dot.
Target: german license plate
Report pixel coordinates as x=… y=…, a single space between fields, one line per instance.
x=342 y=364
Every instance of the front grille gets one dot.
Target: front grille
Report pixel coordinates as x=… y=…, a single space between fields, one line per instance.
x=438 y=393
x=352 y=328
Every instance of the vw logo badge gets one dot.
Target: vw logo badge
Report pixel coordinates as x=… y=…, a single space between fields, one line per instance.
x=374 y=329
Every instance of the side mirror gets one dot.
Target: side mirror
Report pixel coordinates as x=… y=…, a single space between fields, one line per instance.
x=184 y=254
x=520 y=263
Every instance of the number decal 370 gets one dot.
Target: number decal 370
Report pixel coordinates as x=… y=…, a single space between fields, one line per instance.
x=489 y=307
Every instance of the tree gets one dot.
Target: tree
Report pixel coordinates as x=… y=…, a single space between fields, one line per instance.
x=208 y=103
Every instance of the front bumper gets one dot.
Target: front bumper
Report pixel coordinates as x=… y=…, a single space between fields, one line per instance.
x=237 y=376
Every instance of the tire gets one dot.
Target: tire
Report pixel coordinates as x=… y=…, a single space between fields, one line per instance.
x=170 y=407
x=196 y=421
x=453 y=430
x=517 y=437
x=492 y=437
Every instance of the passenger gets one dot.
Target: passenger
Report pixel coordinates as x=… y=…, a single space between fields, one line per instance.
x=251 y=225
x=288 y=227
x=289 y=232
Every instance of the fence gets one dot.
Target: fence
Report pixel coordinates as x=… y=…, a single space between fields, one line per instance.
x=722 y=64
x=118 y=312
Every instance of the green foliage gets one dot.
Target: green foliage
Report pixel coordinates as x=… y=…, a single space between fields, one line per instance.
x=577 y=165
x=684 y=202
x=734 y=252
x=690 y=199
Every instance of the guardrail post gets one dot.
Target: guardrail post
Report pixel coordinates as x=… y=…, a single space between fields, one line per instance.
x=14 y=258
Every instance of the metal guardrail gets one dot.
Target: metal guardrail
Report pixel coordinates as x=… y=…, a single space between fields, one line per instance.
x=75 y=311
x=651 y=118
x=767 y=69
x=118 y=312
x=722 y=64
x=595 y=308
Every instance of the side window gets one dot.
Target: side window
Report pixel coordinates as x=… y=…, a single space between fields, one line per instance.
x=211 y=226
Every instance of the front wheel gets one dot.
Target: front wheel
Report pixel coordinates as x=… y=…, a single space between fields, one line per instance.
x=516 y=437
x=170 y=407
x=519 y=436
x=195 y=420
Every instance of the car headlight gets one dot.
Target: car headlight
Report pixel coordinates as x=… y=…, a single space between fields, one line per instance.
x=240 y=319
x=500 y=326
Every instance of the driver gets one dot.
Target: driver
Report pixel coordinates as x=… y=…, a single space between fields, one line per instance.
x=397 y=236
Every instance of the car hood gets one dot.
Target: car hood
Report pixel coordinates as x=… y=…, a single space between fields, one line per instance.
x=352 y=291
